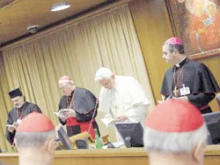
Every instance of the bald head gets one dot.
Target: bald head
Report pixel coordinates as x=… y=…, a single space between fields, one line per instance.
x=66 y=85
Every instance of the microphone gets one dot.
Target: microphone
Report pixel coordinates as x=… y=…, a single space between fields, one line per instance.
x=93 y=115
x=83 y=143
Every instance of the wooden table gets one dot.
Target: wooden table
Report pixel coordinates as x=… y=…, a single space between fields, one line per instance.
x=126 y=156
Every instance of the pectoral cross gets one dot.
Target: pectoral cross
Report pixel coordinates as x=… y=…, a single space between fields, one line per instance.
x=175 y=90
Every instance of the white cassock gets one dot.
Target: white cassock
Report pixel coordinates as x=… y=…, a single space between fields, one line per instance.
x=127 y=98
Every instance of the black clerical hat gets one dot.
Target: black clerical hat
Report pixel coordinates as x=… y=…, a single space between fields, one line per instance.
x=14 y=93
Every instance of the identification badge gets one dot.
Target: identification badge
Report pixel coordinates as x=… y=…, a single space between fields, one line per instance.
x=184 y=90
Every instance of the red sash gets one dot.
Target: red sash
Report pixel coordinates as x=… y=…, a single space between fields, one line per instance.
x=84 y=126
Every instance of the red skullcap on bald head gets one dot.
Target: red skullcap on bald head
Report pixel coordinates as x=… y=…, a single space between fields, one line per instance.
x=175 y=116
x=65 y=79
x=35 y=122
x=173 y=41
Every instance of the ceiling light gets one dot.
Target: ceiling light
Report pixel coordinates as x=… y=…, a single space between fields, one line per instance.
x=60 y=6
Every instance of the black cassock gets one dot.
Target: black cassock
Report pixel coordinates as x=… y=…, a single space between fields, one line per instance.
x=14 y=115
x=199 y=80
x=85 y=105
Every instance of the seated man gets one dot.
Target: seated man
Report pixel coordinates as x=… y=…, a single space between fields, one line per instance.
x=175 y=133
x=35 y=140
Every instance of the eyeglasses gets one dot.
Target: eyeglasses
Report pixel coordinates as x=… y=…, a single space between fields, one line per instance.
x=106 y=83
x=63 y=87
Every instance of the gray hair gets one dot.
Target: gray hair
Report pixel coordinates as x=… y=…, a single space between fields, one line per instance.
x=103 y=73
x=174 y=142
x=33 y=139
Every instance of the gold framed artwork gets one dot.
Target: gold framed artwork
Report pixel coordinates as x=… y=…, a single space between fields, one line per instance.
x=197 y=23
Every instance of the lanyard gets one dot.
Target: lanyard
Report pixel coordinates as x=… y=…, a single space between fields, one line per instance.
x=177 y=80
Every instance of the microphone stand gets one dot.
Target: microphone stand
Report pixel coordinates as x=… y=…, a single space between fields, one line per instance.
x=93 y=115
x=84 y=144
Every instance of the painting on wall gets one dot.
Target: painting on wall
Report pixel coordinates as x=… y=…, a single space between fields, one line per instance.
x=197 y=23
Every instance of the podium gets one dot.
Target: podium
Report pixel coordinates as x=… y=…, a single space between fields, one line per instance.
x=125 y=156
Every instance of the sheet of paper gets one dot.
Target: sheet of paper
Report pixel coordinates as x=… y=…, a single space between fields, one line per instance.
x=9 y=125
x=118 y=144
x=63 y=112
x=108 y=121
x=56 y=113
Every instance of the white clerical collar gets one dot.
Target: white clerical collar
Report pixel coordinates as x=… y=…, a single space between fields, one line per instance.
x=178 y=65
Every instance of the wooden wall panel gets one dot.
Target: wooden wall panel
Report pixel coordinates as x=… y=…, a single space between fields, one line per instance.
x=153 y=28
x=213 y=64
x=123 y=156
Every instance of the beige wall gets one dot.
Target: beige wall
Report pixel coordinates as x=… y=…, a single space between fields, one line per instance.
x=153 y=28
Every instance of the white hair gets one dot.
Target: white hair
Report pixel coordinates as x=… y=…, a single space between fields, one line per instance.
x=174 y=142
x=65 y=82
x=33 y=139
x=103 y=73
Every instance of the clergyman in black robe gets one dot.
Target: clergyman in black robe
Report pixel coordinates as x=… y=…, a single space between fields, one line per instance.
x=84 y=104
x=20 y=110
x=187 y=79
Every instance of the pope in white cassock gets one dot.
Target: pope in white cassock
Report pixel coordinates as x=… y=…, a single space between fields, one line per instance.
x=121 y=97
